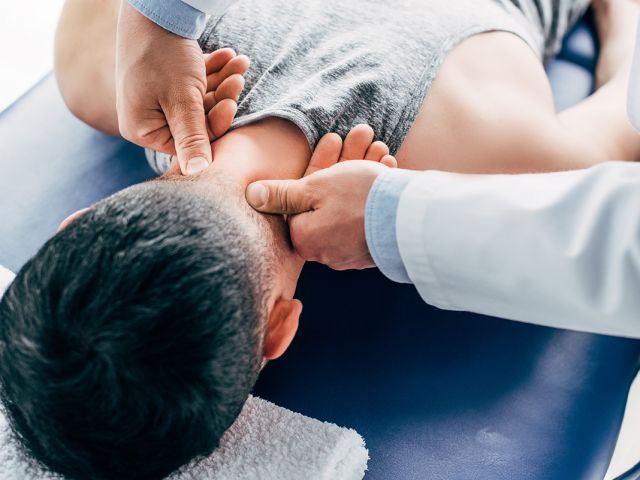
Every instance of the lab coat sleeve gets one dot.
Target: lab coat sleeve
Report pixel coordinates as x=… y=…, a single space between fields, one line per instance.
x=559 y=249
x=380 y=216
x=186 y=18
x=209 y=6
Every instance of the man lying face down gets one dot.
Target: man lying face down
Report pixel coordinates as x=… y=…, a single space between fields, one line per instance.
x=130 y=342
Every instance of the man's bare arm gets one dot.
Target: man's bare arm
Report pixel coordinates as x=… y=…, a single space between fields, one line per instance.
x=491 y=108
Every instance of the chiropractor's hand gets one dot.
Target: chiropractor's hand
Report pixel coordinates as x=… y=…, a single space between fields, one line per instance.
x=161 y=83
x=327 y=208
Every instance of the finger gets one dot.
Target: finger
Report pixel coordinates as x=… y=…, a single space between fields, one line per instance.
x=359 y=265
x=151 y=131
x=389 y=161
x=188 y=124
x=377 y=151
x=230 y=88
x=218 y=59
x=357 y=142
x=159 y=139
x=326 y=153
x=300 y=227
x=221 y=117
x=174 y=167
x=280 y=196
x=237 y=65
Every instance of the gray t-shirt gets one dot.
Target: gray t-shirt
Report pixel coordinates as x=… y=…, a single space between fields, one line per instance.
x=331 y=64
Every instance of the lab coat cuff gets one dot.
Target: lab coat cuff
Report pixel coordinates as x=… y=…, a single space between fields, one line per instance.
x=209 y=6
x=380 y=223
x=175 y=16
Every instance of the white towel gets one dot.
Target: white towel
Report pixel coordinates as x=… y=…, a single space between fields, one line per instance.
x=6 y=277
x=266 y=442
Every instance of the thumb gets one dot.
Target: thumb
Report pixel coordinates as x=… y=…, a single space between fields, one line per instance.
x=188 y=125
x=280 y=196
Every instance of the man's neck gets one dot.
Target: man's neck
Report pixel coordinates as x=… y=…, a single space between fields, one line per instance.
x=271 y=149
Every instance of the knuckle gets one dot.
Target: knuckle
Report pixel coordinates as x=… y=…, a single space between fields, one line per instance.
x=192 y=141
x=124 y=127
x=339 y=267
x=182 y=98
x=320 y=185
x=295 y=224
x=283 y=195
x=304 y=249
x=132 y=128
x=126 y=133
x=310 y=256
x=136 y=136
x=323 y=252
x=314 y=182
x=326 y=259
x=297 y=233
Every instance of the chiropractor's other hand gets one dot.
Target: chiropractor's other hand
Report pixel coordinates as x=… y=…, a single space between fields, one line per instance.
x=161 y=84
x=328 y=205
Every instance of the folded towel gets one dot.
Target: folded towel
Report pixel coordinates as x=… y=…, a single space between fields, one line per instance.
x=6 y=277
x=266 y=442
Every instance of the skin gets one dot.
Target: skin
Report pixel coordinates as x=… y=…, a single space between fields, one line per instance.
x=509 y=126
x=161 y=104
x=162 y=95
x=256 y=152
x=327 y=209
x=491 y=87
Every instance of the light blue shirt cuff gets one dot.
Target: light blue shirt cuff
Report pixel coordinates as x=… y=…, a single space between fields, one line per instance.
x=381 y=213
x=173 y=15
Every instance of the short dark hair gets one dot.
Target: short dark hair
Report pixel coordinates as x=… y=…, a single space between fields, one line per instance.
x=131 y=341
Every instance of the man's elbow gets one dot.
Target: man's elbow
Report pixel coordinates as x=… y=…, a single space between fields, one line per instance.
x=81 y=94
x=85 y=75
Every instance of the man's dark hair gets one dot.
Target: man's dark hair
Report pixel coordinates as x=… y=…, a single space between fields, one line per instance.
x=131 y=341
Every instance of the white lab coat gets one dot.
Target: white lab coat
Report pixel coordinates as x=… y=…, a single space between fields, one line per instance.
x=559 y=249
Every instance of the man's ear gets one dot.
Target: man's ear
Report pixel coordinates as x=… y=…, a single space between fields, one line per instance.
x=74 y=216
x=282 y=326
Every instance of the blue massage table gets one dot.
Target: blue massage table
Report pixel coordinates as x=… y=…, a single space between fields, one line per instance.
x=437 y=395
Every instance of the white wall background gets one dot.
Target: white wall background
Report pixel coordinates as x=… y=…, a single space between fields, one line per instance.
x=27 y=28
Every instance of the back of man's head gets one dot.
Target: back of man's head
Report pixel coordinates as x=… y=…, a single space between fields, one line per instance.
x=130 y=342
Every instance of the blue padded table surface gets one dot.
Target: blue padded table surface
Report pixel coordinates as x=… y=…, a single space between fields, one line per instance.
x=51 y=165
x=436 y=395
x=455 y=396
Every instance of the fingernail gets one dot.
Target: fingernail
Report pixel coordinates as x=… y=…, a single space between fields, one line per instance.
x=196 y=165
x=257 y=195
